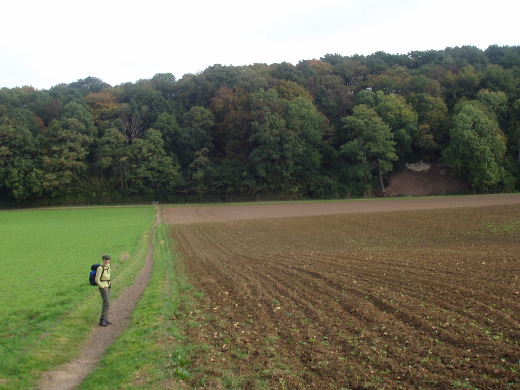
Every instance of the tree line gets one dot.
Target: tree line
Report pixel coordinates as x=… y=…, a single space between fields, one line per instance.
x=332 y=127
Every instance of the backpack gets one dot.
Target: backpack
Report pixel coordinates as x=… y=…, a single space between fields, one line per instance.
x=92 y=275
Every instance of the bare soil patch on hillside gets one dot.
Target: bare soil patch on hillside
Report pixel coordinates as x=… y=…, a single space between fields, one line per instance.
x=436 y=180
x=424 y=297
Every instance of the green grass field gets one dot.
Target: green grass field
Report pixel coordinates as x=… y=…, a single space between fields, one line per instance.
x=47 y=304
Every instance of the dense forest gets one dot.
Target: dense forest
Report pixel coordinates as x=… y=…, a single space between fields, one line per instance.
x=329 y=128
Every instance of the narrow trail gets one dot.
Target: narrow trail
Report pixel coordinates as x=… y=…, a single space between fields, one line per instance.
x=69 y=375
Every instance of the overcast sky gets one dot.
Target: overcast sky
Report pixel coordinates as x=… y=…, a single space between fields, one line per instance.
x=44 y=43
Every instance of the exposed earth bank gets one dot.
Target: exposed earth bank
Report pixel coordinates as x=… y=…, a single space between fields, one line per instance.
x=424 y=179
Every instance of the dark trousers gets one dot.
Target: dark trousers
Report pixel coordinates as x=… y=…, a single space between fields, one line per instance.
x=105 y=296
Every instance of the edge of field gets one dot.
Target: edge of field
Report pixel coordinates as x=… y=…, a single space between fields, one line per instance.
x=179 y=214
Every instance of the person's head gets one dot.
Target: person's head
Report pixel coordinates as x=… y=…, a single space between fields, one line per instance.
x=106 y=259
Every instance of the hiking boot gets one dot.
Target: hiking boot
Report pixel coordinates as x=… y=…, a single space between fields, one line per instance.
x=108 y=322
x=103 y=323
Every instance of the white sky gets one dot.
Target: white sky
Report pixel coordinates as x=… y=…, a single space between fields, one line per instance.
x=44 y=43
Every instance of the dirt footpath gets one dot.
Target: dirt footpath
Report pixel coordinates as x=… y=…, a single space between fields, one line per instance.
x=70 y=375
x=194 y=214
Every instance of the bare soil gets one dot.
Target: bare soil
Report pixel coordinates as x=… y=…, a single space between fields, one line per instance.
x=437 y=180
x=70 y=375
x=182 y=215
x=355 y=295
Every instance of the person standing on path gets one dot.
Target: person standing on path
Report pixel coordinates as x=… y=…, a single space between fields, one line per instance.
x=103 y=281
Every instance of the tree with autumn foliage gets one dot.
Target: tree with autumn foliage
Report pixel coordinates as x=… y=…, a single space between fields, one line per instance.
x=330 y=127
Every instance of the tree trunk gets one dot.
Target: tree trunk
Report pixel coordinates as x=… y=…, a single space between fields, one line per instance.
x=383 y=190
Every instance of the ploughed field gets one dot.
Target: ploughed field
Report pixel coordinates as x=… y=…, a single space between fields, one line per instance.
x=407 y=299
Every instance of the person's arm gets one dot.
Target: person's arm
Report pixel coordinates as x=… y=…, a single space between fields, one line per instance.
x=99 y=272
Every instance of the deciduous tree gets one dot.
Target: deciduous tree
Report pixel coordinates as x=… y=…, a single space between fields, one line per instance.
x=150 y=169
x=20 y=171
x=65 y=148
x=477 y=148
x=371 y=148
x=401 y=118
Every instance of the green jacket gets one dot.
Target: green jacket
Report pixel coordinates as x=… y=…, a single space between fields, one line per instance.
x=103 y=276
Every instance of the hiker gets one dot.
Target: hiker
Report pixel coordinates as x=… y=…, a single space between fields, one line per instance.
x=103 y=281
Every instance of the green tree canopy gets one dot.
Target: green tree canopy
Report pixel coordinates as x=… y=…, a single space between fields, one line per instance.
x=65 y=148
x=401 y=118
x=371 y=148
x=150 y=169
x=331 y=127
x=477 y=147
x=20 y=171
